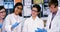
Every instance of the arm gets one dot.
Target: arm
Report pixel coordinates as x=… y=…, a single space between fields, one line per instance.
x=7 y=24
x=25 y=27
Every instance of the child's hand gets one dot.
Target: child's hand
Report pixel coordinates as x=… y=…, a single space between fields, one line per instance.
x=1 y=25
x=14 y=25
x=40 y=30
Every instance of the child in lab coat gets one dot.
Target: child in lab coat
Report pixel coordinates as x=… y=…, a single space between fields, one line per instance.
x=53 y=21
x=13 y=21
x=2 y=16
x=33 y=23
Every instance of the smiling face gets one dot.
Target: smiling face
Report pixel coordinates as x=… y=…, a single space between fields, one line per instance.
x=2 y=13
x=34 y=12
x=18 y=10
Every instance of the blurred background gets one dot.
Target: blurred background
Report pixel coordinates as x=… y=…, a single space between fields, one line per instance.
x=27 y=4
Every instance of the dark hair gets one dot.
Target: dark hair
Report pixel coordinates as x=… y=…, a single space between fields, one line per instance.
x=2 y=7
x=17 y=4
x=53 y=2
x=37 y=6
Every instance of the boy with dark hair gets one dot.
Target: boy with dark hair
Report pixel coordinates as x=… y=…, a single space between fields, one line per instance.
x=53 y=21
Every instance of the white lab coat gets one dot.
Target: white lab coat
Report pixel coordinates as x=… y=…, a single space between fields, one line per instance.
x=3 y=27
x=55 y=25
x=10 y=20
x=31 y=25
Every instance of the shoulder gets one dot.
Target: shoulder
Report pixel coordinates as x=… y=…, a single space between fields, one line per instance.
x=8 y=16
x=40 y=20
x=22 y=19
x=27 y=20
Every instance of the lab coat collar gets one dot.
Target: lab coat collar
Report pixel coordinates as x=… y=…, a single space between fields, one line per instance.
x=35 y=18
x=58 y=12
x=14 y=14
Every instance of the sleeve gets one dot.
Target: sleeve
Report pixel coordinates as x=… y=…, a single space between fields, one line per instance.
x=3 y=27
x=25 y=26
x=7 y=24
x=41 y=24
x=47 y=22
